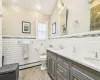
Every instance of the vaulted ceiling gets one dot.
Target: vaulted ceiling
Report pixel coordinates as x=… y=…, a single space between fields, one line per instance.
x=43 y=6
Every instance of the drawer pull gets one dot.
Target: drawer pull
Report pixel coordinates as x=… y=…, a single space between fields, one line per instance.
x=61 y=71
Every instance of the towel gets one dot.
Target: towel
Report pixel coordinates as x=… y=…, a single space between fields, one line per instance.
x=25 y=51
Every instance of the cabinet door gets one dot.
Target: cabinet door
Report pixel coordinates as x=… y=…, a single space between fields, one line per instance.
x=60 y=77
x=53 y=68
x=48 y=60
x=64 y=72
x=49 y=64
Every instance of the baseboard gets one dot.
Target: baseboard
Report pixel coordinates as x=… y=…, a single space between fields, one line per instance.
x=29 y=65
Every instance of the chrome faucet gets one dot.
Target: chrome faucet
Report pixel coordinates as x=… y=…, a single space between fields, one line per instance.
x=96 y=54
x=60 y=46
x=51 y=46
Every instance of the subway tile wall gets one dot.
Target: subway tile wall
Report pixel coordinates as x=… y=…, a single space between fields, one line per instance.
x=13 y=50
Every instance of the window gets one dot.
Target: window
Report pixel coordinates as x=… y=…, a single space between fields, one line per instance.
x=42 y=30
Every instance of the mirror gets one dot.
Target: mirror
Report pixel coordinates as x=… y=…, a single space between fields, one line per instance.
x=73 y=17
x=95 y=15
x=62 y=16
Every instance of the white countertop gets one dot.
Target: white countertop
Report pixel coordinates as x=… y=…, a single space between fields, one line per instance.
x=75 y=57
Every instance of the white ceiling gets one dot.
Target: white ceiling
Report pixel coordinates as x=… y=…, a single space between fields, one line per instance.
x=45 y=5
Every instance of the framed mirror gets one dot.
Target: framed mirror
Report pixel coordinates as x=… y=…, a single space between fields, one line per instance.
x=95 y=15
x=62 y=16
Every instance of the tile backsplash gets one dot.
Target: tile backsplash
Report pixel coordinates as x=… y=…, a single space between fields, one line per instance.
x=84 y=46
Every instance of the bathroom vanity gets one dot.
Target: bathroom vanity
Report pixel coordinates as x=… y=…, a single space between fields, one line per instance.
x=63 y=67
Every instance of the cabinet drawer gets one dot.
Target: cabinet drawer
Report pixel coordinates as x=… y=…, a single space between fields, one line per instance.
x=66 y=65
x=60 y=77
x=60 y=60
x=80 y=74
x=63 y=62
x=63 y=71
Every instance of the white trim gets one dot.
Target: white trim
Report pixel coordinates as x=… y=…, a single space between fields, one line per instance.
x=18 y=36
x=77 y=34
x=29 y=65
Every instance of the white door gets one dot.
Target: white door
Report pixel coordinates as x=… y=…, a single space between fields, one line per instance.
x=0 y=33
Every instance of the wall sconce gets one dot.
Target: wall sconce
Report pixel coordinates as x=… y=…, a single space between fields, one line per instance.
x=60 y=4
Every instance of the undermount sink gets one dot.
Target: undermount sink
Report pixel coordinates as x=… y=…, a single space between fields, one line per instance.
x=57 y=48
x=95 y=61
x=90 y=58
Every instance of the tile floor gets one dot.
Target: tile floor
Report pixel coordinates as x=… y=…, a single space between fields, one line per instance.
x=34 y=73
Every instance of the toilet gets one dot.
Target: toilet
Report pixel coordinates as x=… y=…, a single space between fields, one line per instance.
x=43 y=61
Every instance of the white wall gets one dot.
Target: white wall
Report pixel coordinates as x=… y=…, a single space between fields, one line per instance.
x=77 y=10
x=0 y=33
x=14 y=15
x=53 y=19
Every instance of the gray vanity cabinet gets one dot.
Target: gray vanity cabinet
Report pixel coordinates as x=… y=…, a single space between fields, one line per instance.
x=61 y=68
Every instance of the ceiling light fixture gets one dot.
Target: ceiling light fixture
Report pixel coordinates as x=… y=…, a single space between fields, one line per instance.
x=60 y=4
x=38 y=7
